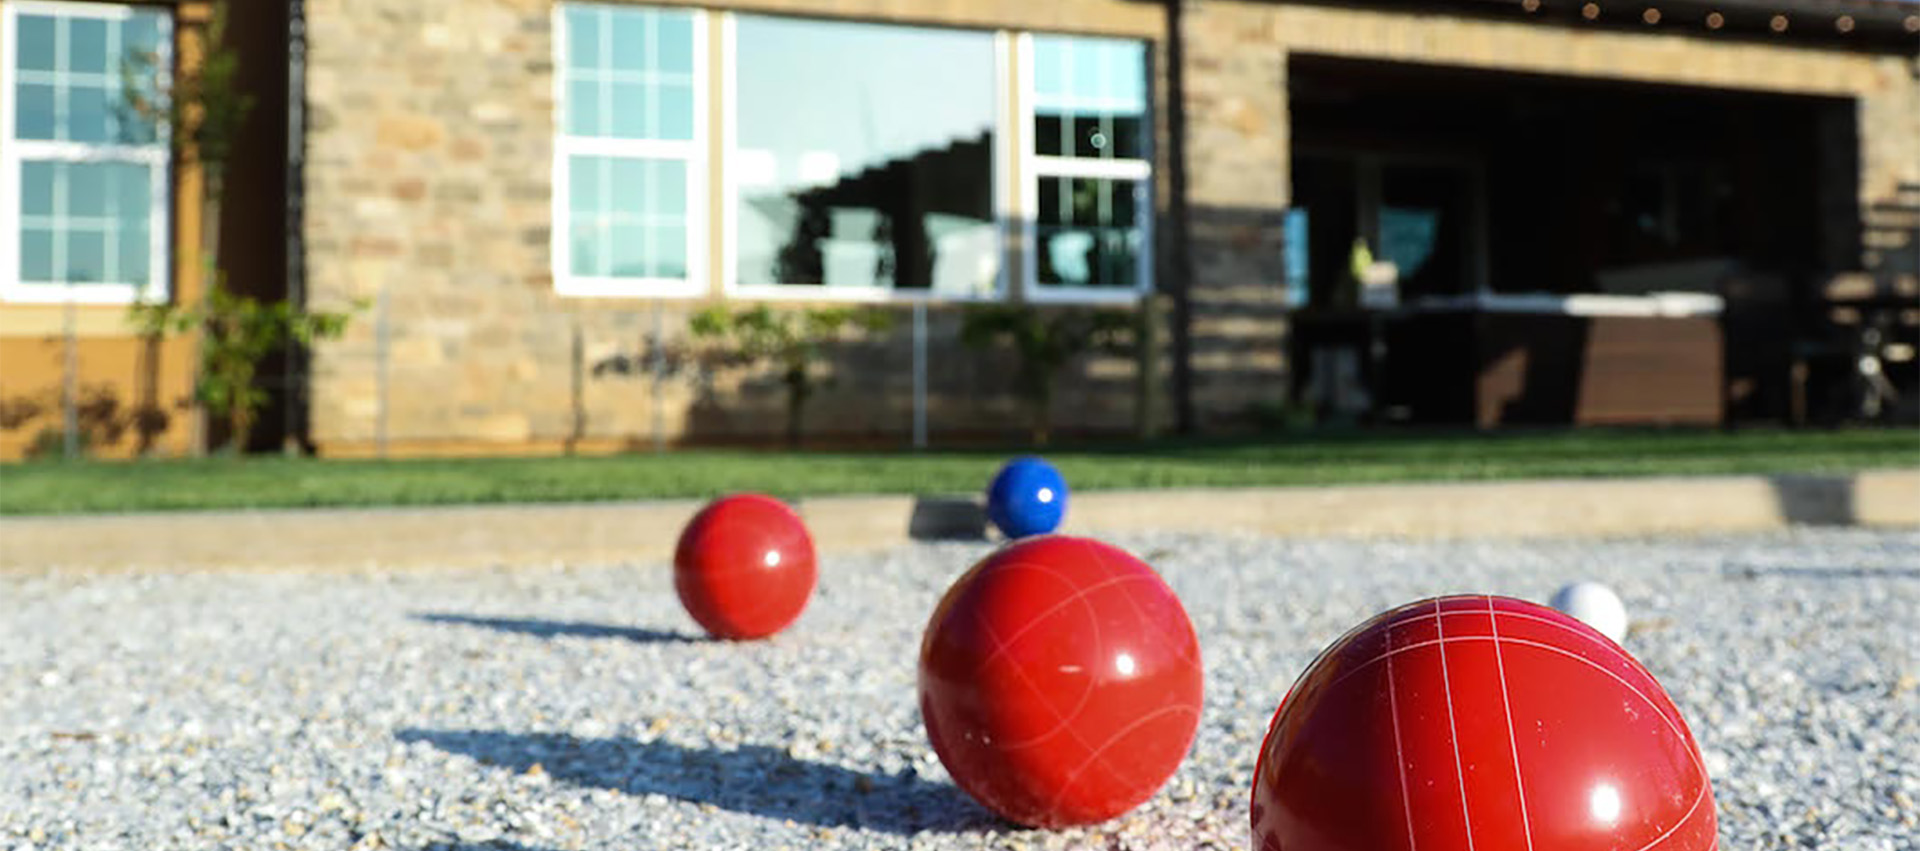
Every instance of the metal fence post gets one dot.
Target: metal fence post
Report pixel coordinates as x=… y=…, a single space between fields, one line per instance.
x=70 y=383
x=919 y=375
x=656 y=375
x=381 y=334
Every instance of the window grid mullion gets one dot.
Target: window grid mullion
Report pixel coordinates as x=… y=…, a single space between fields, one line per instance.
x=59 y=231
x=651 y=227
x=1102 y=221
x=603 y=222
x=1067 y=117
x=59 y=85
x=605 y=90
x=1115 y=169
x=1107 y=131
x=650 y=90
x=110 y=241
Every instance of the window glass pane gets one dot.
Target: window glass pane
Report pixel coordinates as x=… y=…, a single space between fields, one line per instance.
x=629 y=248
x=87 y=46
x=36 y=188
x=583 y=109
x=676 y=113
x=89 y=115
x=86 y=256
x=136 y=251
x=866 y=154
x=1128 y=135
x=36 y=255
x=133 y=184
x=584 y=180
x=142 y=34
x=1088 y=232
x=1086 y=70
x=630 y=117
x=35 y=117
x=631 y=42
x=1051 y=132
x=87 y=187
x=669 y=252
x=36 y=39
x=667 y=190
x=632 y=179
x=583 y=37
x=1128 y=75
x=587 y=249
x=1049 y=68
x=676 y=42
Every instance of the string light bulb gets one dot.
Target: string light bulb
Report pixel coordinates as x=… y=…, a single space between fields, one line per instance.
x=1779 y=23
x=1651 y=15
x=1844 y=23
x=1530 y=5
x=1715 y=20
x=1590 y=11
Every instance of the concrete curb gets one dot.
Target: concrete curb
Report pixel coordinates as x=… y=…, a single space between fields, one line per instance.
x=330 y=539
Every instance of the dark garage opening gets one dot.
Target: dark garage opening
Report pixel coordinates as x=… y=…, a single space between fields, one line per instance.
x=1494 y=248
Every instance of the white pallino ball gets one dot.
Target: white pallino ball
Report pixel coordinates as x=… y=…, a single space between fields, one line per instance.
x=1595 y=605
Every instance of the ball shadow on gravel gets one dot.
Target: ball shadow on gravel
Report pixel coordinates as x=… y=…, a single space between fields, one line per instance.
x=541 y=628
x=753 y=779
x=496 y=845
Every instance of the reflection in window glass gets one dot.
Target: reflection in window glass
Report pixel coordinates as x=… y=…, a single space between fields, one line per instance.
x=1408 y=237
x=1088 y=232
x=865 y=156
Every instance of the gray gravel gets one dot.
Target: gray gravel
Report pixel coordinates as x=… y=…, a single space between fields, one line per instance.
x=547 y=707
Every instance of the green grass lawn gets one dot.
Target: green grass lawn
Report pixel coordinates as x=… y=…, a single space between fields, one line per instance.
x=272 y=482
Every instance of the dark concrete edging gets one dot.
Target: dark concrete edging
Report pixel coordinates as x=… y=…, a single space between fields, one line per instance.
x=337 y=539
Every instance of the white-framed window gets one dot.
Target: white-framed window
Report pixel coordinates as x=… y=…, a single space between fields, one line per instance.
x=630 y=164
x=865 y=161
x=83 y=179
x=1088 y=168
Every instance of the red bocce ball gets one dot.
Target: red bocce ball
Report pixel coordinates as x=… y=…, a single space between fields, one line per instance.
x=1060 y=681
x=1479 y=723
x=744 y=567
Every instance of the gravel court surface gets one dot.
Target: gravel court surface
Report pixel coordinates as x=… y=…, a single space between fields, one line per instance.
x=544 y=708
